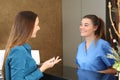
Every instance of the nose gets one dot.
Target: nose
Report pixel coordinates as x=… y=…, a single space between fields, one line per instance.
x=80 y=26
x=38 y=27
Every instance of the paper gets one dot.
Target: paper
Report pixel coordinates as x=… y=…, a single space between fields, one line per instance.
x=2 y=52
x=36 y=56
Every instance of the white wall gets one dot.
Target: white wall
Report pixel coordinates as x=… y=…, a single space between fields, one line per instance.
x=71 y=19
x=72 y=12
x=94 y=7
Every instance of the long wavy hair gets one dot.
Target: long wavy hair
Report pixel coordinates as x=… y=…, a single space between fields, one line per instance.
x=21 y=31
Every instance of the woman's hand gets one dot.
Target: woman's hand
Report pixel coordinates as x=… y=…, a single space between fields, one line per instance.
x=109 y=71
x=49 y=63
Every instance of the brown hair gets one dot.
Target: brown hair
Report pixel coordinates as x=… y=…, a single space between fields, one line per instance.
x=21 y=31
x=99 y=33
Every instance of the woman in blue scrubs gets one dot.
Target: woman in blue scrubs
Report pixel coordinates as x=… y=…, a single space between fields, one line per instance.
x=92 y=53
x=18 y=62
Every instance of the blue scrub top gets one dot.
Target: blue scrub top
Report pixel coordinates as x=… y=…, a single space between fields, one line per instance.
x=20 y=65
x=95 y=58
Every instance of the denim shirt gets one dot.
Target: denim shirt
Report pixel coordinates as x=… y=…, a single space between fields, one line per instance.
x=20 y=65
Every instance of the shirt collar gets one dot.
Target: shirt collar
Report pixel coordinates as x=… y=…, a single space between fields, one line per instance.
x=27 y=46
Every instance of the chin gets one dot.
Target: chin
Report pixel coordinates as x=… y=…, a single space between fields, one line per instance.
x=33 y=37
x=82 y=35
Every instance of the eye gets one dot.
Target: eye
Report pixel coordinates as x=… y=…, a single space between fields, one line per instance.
x=86 y=25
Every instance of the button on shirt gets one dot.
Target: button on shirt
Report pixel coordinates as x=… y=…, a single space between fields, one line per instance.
x=95 y=58
x=20 y=65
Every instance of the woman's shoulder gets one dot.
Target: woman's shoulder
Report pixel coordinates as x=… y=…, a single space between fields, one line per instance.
x=102 y=41
x=104 y=44
x=17 y=49
x=81 y=44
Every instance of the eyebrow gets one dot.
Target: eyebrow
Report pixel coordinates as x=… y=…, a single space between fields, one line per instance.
x=85 y=23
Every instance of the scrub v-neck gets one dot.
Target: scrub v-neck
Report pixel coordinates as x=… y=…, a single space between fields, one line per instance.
x=89 y=48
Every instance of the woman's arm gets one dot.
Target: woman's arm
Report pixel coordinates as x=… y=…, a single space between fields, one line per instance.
x=109 y=71
x=17 y=66
x=109 y=62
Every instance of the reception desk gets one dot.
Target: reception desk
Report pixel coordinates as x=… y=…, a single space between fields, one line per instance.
x=79 y=74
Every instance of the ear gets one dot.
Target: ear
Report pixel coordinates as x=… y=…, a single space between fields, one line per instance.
x=95 y=28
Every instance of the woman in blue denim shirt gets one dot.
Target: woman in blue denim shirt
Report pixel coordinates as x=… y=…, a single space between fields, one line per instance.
x=18 y=62
x=92 y=53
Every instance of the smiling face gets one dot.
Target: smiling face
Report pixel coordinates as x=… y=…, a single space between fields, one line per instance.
x=87 y=28
x=36 y=28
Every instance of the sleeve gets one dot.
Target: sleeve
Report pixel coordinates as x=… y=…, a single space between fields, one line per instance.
x=107 y=50
x=36 y=75
x=17 y=66
x=78 y=55
x=76 y=61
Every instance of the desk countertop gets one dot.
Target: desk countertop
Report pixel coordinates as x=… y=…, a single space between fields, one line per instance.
x=77 y=74
x=70 y=73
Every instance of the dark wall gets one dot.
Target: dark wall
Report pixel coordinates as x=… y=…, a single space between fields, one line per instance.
x=115 y=19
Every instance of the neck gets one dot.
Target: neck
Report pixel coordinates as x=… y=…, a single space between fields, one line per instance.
x=89 y=39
